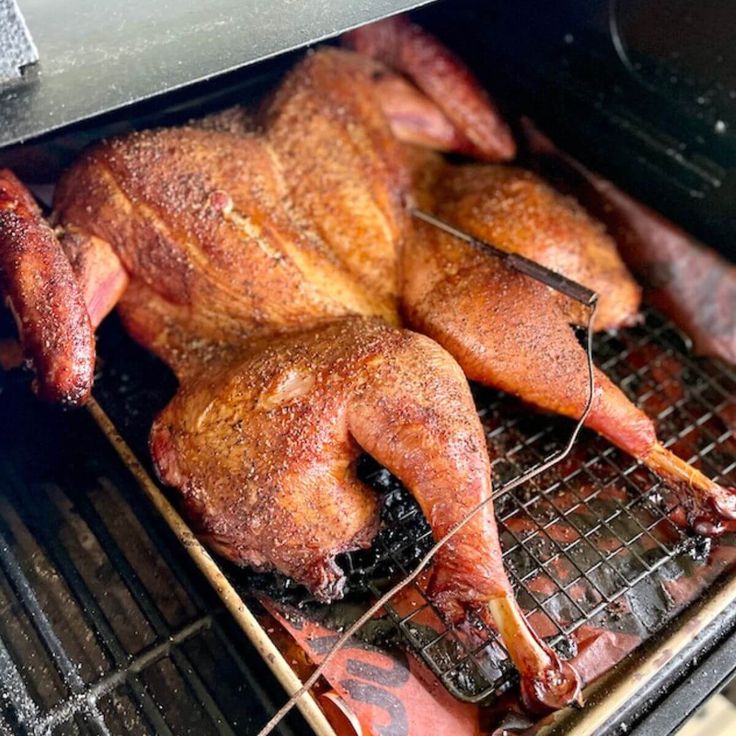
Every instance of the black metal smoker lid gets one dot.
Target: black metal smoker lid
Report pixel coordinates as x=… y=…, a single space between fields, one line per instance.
x=95 y=57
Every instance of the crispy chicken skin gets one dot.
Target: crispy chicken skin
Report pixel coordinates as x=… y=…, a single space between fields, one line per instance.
x=267 y=277
x=39 y=287
x=293 y=413
x=504 y=329
x=510 y=332
x=267 y=259
x=323 y=125
x=515 y=210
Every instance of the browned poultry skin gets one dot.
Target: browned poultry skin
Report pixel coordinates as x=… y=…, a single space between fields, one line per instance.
x=415 y=118
x=231 y=238
x=516 y=211
x=291 y=414
x=223 y=291
x=245 y=275
x=97 y=269
x=39 y=287
x=512 y=333
x=323 y=126
x=213 y=297
x=337 y=168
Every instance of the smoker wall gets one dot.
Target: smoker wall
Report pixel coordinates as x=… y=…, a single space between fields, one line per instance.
x=642 y=90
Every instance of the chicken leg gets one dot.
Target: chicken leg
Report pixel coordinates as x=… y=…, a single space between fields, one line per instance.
x=505 y=330
x=511 y=333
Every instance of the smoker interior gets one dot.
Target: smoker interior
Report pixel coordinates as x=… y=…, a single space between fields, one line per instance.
x=108 y=627
x=111 y=630
x=643 y=91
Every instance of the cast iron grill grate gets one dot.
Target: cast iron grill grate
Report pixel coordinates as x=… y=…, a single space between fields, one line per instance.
x=105 y=627
x=587 y=543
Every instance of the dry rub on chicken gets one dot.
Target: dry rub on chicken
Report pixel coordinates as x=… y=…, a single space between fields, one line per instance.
x=270 y=264
x=232 y=258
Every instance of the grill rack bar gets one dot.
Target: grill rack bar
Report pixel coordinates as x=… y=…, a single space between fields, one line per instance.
x=86 y=695
x=20 y=712
x=46 y=631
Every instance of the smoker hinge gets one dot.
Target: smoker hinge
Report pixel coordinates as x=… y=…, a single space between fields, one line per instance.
x=17 y=49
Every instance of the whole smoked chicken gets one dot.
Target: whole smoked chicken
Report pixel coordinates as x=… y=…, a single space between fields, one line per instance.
x=270 y=270
x=212 y=242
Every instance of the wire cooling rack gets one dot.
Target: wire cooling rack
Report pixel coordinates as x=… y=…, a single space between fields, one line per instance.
x=587 y=542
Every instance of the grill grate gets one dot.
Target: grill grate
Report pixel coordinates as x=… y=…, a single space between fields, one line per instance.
x=105 y=627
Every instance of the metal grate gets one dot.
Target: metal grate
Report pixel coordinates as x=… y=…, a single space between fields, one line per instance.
x=105 y=627
x=587 y=542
